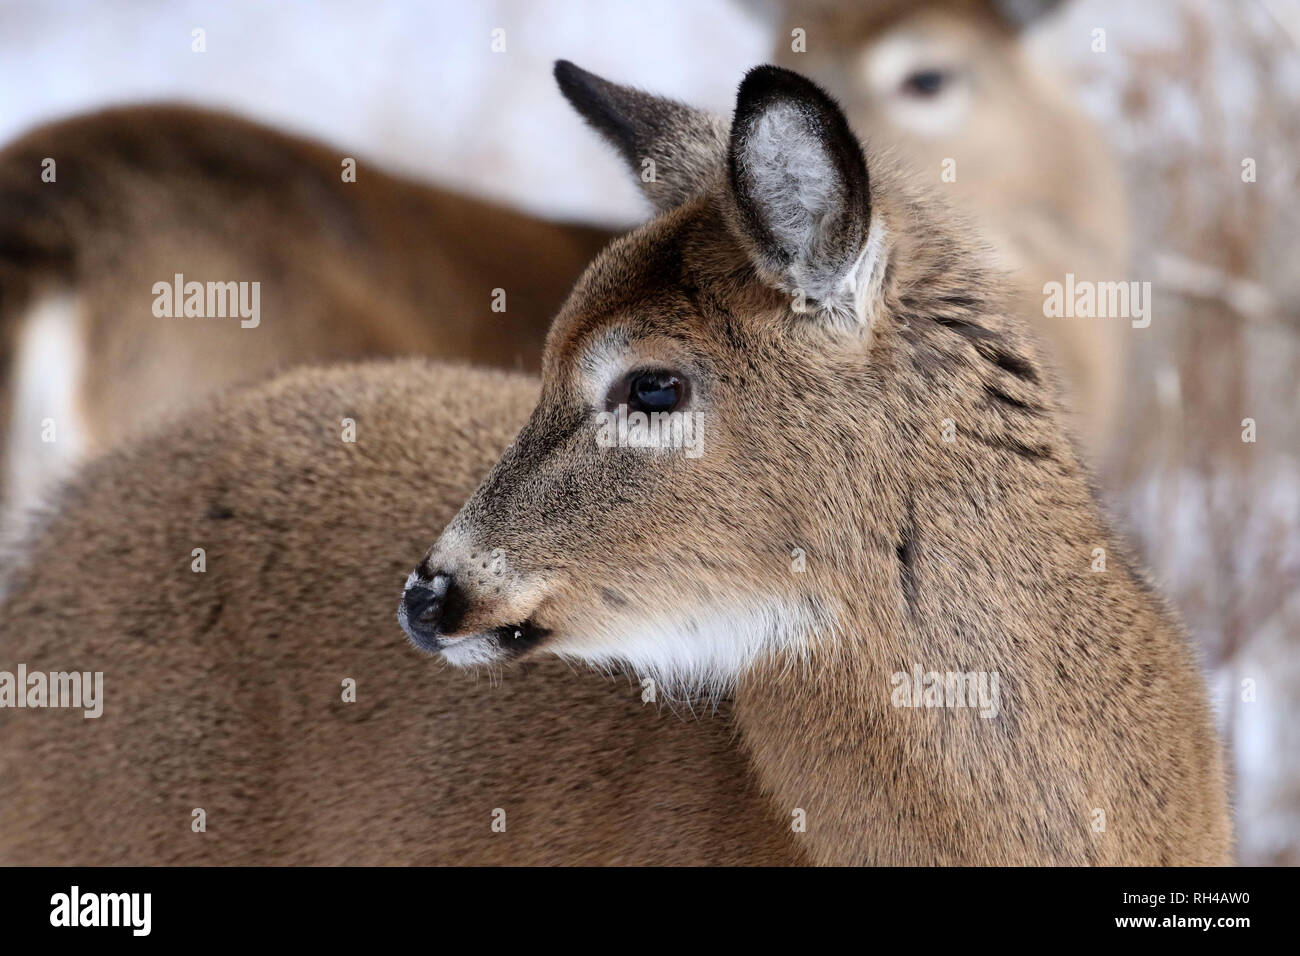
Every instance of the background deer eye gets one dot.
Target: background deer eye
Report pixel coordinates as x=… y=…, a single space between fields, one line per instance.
x=925 y=83
x=655 y=392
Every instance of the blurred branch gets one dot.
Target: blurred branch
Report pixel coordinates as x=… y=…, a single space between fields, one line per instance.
x=1197 y=280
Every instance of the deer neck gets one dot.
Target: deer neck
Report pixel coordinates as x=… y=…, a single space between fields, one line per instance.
x=963 y=557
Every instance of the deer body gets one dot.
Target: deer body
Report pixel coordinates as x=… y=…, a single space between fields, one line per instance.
x=869 y=402
x=216 y=699
x=344 y=269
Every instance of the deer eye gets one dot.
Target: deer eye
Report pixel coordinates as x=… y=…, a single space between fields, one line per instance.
x=925 y=83
x=654 y=391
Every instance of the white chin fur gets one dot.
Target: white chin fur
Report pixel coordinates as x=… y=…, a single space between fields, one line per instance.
x=473 y=651
x=701 y=654
x=689 y=656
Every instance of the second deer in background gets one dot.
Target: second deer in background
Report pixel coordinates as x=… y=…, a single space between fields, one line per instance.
x=344 y=267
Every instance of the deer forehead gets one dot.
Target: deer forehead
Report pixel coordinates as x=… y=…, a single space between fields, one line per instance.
x=640 y=301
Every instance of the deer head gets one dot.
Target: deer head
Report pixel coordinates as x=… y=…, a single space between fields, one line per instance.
x=748 y=380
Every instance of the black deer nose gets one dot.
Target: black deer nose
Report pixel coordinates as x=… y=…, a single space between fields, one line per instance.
x=427 y=610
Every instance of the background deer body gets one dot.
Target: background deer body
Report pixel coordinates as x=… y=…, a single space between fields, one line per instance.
x=346 y=269
x=826 y=433
x=217 y=699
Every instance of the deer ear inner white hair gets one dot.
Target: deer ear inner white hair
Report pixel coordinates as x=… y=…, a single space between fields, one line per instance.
x=799 y=185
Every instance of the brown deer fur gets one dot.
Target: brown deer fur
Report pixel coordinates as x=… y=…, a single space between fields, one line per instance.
x=898 y=429
x=223 y=690
x=377 y=267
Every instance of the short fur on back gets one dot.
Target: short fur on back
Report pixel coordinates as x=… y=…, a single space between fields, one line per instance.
x=223 y=690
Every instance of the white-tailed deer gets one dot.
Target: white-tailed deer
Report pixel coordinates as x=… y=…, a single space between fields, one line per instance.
x=100 y=215
x=950 y=86
x=850 y=483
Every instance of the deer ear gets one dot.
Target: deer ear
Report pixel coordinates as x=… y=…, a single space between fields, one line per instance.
x=800 y=195
x=674 y=150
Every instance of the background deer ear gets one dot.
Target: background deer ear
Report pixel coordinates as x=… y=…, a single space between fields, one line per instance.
x=801 y=199
x=674 y=150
